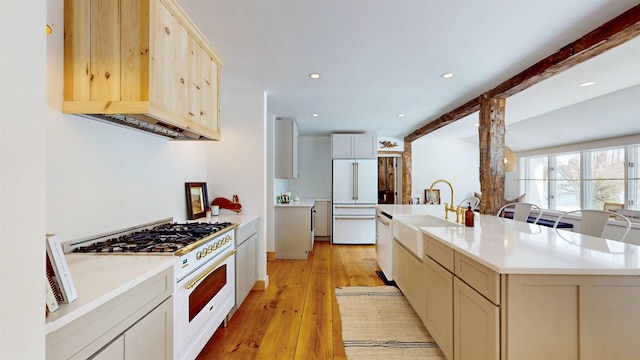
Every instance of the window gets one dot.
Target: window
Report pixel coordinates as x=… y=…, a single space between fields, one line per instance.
x=583 y=180
x=604 y=177
x=564 y=189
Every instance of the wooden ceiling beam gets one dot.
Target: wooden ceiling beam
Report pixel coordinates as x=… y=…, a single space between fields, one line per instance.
x=465 y=110
x=611 y=34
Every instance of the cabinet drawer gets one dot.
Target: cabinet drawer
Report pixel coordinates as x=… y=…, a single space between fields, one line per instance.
x=482 y=279
x=439 y=252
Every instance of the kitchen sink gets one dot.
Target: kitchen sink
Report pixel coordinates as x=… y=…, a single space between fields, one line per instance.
x=406 y=230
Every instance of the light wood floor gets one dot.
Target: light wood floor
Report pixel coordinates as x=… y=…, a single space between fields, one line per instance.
x=297 y=316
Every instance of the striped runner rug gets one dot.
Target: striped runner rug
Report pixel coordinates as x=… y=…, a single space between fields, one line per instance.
x=379 y=323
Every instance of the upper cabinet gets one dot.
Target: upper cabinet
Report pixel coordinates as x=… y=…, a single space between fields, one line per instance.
x=353 y=146
x=141 y=63
x=286 y=149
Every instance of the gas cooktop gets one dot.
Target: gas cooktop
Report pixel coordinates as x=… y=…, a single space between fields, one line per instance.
x=164 y=238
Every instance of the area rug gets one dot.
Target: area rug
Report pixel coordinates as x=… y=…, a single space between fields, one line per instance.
x=379 y=323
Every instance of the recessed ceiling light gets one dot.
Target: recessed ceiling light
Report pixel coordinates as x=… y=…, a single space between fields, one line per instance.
x=447 y=75
x=314 y=115
x=588 y=83
x=400 y=115
x=314 y=76
x=476 y=125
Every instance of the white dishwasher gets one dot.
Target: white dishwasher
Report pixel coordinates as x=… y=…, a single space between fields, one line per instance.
x=384 y=243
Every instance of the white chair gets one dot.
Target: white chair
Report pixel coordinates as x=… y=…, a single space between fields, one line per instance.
x=474 y=201
x=594 y=222
x=521 y=211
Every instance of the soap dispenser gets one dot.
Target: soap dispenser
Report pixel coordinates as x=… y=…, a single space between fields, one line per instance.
x=468 y=216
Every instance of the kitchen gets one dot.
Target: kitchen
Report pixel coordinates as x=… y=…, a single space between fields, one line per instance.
x=72 y=180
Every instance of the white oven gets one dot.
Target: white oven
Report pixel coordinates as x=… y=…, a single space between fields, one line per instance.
x=204 y=293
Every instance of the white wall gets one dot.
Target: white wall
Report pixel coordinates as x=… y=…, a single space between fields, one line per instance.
x=237 y=165
x=22 y=178
x=314 y=165
x=453 y=160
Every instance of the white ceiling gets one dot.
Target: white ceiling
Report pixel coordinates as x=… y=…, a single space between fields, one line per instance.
x=380 y=58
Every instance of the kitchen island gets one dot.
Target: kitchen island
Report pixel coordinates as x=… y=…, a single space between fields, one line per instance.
x=294 y=229
x=511 y=290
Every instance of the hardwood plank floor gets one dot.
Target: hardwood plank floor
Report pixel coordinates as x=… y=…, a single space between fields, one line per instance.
x=296 y=317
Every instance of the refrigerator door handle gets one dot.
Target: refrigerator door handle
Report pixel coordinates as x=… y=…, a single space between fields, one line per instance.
x=353 y=181
x=356 y=180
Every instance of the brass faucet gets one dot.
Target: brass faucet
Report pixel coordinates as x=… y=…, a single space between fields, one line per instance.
x=449 y=207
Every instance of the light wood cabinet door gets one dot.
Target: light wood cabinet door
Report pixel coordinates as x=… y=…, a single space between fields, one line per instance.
x=209 y=95
x=170 y=64
x=476 y=329
x=408 y=273
x=145 y=60
x=416 y=285
x=400 y=266
x=439 y=305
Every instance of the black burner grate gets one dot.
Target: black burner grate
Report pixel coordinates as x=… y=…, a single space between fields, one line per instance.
x=166 y=238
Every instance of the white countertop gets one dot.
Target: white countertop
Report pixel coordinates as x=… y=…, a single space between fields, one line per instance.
x=100 y=278
x=240 y=219
x=512 y=247
x=435 y=210
x=299 y=203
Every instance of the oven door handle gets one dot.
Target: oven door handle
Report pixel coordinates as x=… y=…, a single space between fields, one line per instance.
x=210 y=270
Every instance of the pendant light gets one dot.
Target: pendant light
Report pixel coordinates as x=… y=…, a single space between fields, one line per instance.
x=510 y=161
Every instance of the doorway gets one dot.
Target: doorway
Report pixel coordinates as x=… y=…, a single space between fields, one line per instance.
x=389 y=179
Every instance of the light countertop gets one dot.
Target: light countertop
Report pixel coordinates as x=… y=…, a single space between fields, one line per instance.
x=299 y=203
x=240 y=219
x=512 y=247
x=100 y=278
x=435 y=210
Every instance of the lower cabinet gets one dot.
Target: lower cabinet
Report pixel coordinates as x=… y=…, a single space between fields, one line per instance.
x=138 y=324
x=458 y=312
x=409 y=276
x=142 y=340
x=246 y=275
x=322 y=226
x=476 y=320
x=246 y=260
x=439 y=305
x=473 y=312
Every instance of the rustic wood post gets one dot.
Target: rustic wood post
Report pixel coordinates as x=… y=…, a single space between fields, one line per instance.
x=491 y=138
x=406 y=173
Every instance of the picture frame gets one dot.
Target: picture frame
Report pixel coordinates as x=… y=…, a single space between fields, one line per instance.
x=197 y=199
x=432 y=197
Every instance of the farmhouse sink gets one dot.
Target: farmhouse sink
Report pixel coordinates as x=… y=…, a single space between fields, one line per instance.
x=406 y=232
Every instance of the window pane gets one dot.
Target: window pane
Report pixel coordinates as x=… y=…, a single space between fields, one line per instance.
x=565 y=182
x=536 y=184
x=634 y=183
x=604 y=181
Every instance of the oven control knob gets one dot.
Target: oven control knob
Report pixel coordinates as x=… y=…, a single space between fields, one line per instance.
x=199 y=255
x=210 y=248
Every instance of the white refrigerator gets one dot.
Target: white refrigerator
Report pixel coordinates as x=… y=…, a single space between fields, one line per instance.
x=355 y=195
